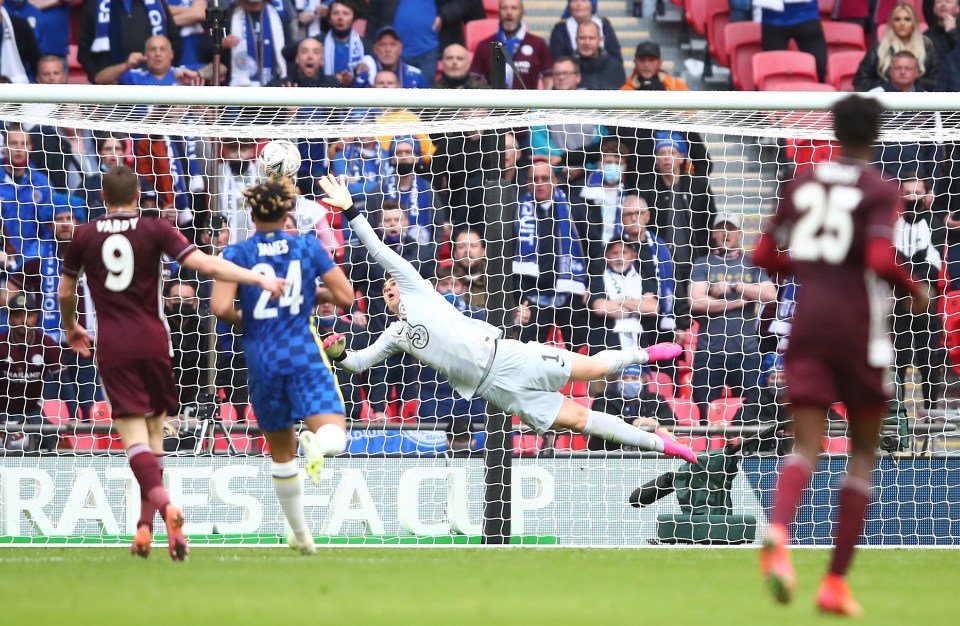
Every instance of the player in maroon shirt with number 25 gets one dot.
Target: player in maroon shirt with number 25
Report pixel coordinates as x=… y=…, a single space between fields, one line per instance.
x=833 y=230
x=121 y=254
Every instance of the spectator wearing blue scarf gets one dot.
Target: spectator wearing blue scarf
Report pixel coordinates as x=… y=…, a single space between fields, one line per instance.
x=112 y=34
x=410 y=189
x=550 y=265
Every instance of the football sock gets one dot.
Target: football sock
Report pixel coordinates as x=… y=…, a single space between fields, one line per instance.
x=794 y=477
x=147 y=509
x=854 y=498
x=615 y=429
x=289 y=489
x=146 y=469
x=616 y=360
x=332 y=439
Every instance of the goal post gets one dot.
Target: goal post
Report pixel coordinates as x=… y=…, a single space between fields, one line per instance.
x=568 y=269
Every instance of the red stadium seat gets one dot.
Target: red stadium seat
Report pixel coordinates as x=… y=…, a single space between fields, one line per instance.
x=57 y=413
x=662 y=384
x=492 y=8
x=743 y=42
x=477 y=30
x=360 y=26
x=100 y=414
x=843 y=37
x=695 y=12
x=774 y=84
x=688 y=414
x=570 y=442
x=721 y=413
x=841 y=68
x=805 y=153
x=826 y=6
x=75 y=72
x=718 y=16
x=527 y=444
x=782 y=68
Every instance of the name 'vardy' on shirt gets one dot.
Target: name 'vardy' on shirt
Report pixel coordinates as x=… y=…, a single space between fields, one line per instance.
x=117 y=226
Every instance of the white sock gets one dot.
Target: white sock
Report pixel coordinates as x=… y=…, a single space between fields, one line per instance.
x=616 y=360
x=289 y=489
x=618 y=431
x=332 y=439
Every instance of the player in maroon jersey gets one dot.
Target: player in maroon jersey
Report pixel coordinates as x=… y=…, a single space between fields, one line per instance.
x=833 y=230
x=121 y=254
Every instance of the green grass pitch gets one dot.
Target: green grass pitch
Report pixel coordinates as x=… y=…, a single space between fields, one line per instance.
x=455 y=587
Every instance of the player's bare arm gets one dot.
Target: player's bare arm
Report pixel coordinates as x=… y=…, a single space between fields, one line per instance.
x=702 y=302
x=222 y=298
x=336 y=289
x=76 y=334
x=223 y=270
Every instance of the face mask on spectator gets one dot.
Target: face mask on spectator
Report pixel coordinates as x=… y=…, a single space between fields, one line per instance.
x=914 y=206
x=236 y=166
x=390 y=238
x=631 y=389
x=181 y=310
x=340 y=34
x=326 y=321
x=404 y=168
x=611 y=173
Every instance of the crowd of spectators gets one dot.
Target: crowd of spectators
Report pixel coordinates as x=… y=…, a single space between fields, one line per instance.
x=618 y=240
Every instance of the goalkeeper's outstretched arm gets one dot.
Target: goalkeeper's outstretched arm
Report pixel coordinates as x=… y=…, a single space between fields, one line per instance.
x=362 y=360
x=400 y=269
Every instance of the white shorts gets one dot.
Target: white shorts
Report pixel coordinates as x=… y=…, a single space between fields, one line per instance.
x=525 y=381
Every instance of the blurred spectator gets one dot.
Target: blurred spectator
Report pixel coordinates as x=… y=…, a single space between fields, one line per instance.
x=903 y=33
x=253 y=47
x=550 y=265
x=311 y=16
x=798 y=21
x=67 y=157
x=111 y=150
x=363 y=161
x=904 y=71
x=410 y=190
x=647 y=73
x=943 y=30
x=307 y=68
x=395 y=116
x=157 y=61
x=50 y=70
x=918 y=337
x=191 y=16
x=459 y=166
x=627 y=395
x=653 y=259
x=188 y=336
x=438 y=401
x=40 y=279
x=112 y=35
x=725 y=290
x=21 y=54
x=49 y=19
x=329 y=321
x=387 y=52
x=455 y=70
x=171 y=167
x=428 y=26
x=343 y=48
x=598 y=69
x=604 y=191
x=238 y=170
x=470 y=265
x=31 y=364
x=682 y=202
x=948 y=78
x=563 y=37
x=530 y=53
x=626 y=309
x=26 y=198
x=567 y=146
x=368 y=277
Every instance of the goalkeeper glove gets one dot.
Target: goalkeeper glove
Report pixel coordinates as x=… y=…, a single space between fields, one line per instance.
x=338 y=195
x=335 y=346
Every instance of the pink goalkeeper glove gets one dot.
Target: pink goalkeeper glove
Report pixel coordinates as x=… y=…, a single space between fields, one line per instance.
x=335 y=346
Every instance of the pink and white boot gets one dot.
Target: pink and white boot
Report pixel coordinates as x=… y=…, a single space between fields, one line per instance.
x=663 y=352
x=672 y=447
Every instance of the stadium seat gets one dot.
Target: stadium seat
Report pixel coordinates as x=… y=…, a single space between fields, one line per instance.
x=527 y=444
x=826 y=6
x=718 y=16
x=688 y=414
x=805 y=153
x=100 y=414
x=662 y=384
x=57 y=413
x=843 y=37
x=841 y=68
x=360 y=26
x=492 y=8
x=477 y=30
x=695 y=12
x=721 y=413
x=75 y=72
x=569 y=442
x=775 y=84
x=783 y=68
x=743 y=42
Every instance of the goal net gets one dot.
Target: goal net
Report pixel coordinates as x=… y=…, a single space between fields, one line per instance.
x=579 y=220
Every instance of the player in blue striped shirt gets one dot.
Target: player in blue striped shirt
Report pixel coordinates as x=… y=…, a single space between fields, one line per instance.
x=289 y=376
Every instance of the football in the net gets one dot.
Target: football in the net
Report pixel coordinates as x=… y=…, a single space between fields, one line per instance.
x=280 y=158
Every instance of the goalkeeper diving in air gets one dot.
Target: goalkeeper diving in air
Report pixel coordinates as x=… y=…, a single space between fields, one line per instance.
x=522 y=379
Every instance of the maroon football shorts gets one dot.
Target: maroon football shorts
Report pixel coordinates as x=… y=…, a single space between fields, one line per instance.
x=821 y=380
x=139 y=387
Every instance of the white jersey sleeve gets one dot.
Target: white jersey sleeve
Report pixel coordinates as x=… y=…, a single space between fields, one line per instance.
x=400 y=269
x=383 y=348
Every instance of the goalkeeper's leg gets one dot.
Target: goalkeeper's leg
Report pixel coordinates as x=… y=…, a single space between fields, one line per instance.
x=578 y=418
x=288 y=486
x=599 y=365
